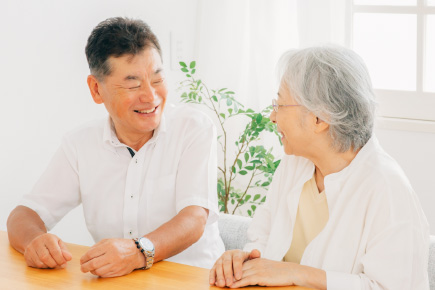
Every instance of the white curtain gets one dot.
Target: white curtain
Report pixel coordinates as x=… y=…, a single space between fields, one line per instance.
x=239 y=43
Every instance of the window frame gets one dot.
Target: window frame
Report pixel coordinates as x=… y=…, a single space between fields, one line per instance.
x=399 y=104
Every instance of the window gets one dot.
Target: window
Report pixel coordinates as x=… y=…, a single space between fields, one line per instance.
x=396 y=38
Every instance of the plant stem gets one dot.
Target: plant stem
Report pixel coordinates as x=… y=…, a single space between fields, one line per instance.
x=246 y=190
x=227 y=188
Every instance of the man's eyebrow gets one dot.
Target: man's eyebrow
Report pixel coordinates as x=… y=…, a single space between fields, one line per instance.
x=130 y=77
x=133 y=77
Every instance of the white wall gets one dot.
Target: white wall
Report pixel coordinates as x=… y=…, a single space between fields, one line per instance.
x=43 y=88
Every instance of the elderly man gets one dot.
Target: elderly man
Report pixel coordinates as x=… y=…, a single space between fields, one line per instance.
x=146 y=175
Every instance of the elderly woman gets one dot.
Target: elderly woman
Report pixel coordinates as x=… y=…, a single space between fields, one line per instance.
x=340 y=213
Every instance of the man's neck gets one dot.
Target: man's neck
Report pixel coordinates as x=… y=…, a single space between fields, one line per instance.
x=133 y=140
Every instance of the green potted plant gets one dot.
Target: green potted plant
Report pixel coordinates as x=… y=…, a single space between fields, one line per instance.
x=253 y=164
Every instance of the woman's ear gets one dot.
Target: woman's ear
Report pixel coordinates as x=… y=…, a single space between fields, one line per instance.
x=94 y=88
x=320 y=125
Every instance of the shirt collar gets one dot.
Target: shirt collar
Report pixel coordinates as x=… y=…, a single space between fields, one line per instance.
x=110 y=138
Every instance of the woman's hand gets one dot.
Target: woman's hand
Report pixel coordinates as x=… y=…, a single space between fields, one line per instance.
x=228 y=268
x=265 y=272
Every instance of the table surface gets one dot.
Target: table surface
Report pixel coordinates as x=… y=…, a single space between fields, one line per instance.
x=164 y=275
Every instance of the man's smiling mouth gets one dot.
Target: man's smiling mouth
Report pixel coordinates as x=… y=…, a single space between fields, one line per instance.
x=152 y=110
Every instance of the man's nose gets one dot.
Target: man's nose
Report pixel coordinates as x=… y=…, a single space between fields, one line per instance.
x=146 y=94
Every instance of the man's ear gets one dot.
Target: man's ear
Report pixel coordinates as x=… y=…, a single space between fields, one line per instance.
x=94 y=88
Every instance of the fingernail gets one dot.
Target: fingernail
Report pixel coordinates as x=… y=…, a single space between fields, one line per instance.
x=229 y=281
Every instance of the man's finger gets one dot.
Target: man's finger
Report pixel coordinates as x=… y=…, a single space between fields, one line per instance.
x=65 y=252
x=103 y=271
x=32 y=259
x=91 y=254
x=55 y=252
x=94 y=264
x=45 y=257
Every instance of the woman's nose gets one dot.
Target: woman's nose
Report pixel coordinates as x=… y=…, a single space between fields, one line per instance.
x=272 y=116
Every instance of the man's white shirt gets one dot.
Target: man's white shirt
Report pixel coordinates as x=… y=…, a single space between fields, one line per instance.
x=128 y=197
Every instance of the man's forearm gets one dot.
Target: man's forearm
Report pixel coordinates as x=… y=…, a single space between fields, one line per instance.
x=179 y=233
x=24 y=225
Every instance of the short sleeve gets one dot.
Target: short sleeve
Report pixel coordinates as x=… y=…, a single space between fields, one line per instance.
x=197 y=172
x=57 y=191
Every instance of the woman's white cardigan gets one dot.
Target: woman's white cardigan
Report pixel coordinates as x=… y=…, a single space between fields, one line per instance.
x=377 y=236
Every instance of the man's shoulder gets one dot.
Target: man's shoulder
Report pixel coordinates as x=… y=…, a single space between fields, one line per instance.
x=87 y=131
x=185 y=115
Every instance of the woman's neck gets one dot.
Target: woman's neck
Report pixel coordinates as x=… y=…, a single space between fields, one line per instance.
x=328 y=162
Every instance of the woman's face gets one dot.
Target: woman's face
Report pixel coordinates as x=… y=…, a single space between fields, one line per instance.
x=291 y=123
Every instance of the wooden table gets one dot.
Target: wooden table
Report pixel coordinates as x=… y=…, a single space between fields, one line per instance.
x=14 y=274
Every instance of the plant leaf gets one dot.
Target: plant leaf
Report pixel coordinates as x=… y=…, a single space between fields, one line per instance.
x=239 y=163
x=192 y=64
x=182 y=64
x=243 y=172
x=257 y=196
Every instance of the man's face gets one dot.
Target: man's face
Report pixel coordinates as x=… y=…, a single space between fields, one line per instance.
x=135 y=93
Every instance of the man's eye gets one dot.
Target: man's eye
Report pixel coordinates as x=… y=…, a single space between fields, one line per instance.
x=158 y=81
x=136 y=87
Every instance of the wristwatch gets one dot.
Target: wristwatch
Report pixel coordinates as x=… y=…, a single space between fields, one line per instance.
x=147 y=248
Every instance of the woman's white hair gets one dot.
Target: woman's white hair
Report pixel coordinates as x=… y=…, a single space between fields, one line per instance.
x=333 y=83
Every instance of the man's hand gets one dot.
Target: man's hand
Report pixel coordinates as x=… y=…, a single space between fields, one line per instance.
x=47 y=251
x=112 y=258
x=228 y=268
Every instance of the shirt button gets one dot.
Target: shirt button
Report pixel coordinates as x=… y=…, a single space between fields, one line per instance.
x=136 y=160
x=131 y=232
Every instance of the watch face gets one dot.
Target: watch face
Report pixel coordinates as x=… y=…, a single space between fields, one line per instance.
x=146 y=244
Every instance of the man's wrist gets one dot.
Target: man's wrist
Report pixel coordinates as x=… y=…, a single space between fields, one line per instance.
x=146 y=247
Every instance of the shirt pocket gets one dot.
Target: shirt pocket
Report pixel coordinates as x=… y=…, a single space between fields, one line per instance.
x=160 y=197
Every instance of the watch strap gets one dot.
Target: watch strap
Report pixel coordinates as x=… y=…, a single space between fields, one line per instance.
x=149 y=255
